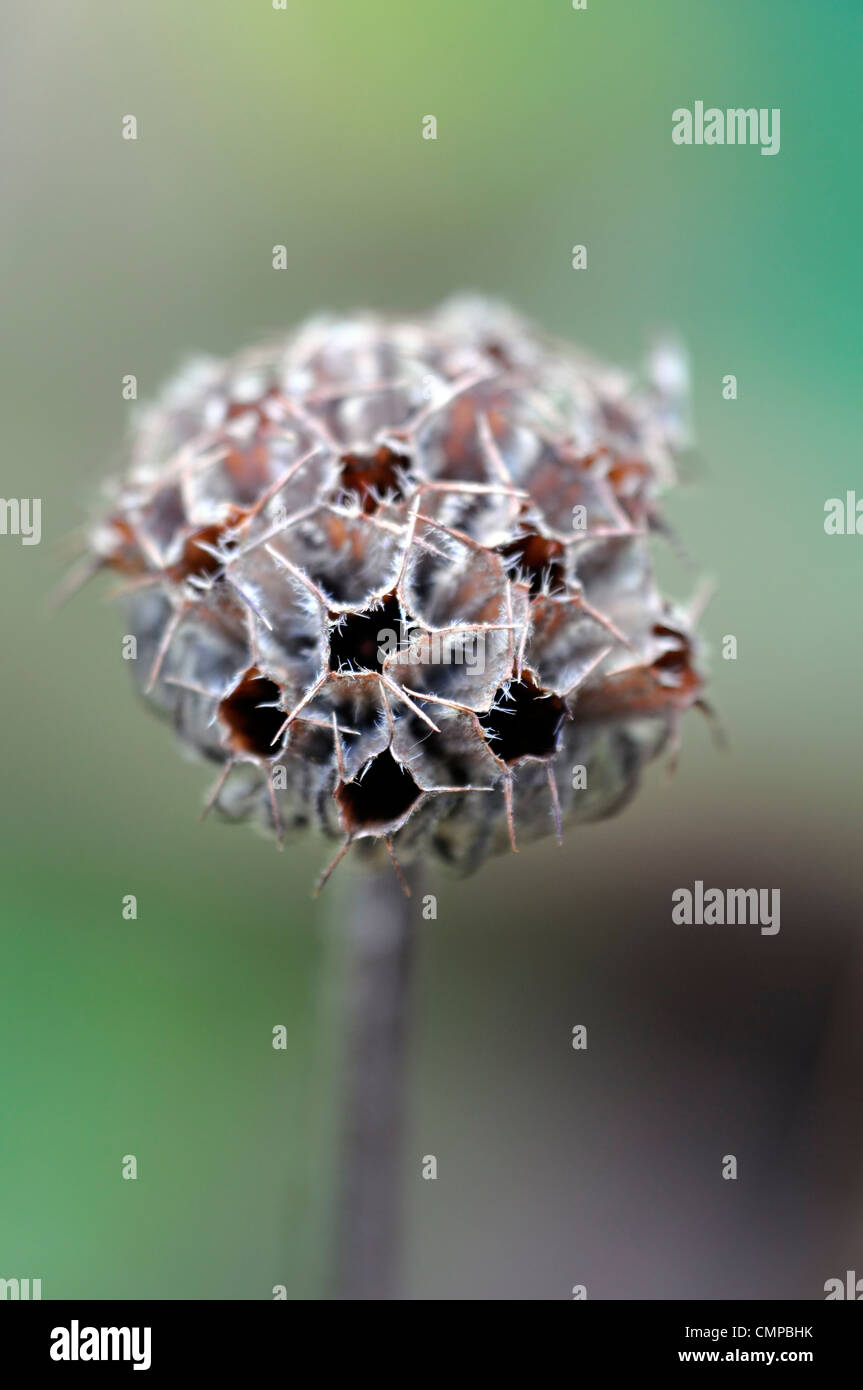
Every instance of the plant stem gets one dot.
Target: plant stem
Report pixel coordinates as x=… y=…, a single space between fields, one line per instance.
x=375 y=1018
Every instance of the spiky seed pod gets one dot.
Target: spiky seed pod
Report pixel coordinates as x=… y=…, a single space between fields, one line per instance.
x=395 y=577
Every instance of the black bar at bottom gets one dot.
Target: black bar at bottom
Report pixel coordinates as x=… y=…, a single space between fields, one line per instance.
x=156 y=1338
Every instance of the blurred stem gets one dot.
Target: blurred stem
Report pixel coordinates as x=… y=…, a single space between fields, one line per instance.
x=375 y=1011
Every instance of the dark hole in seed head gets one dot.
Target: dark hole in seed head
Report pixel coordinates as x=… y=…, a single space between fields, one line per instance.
x=540 y=559
x=663 y=630
x=373 y=476
x=356 y=644
x=252 y=729
x=676 y=661
x=497 y=352
x=524 y=723
x=383 y=795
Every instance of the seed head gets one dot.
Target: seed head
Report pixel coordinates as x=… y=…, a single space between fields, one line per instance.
x=395 y=578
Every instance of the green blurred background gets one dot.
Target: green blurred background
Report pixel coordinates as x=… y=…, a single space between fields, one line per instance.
x=153 y=1037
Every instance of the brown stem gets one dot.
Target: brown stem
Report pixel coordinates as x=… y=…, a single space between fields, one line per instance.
x=375 y=1014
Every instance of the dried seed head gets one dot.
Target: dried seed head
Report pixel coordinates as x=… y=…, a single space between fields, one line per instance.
x=395 y=577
